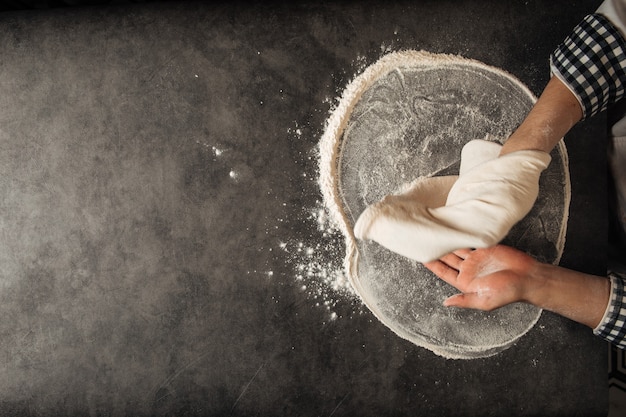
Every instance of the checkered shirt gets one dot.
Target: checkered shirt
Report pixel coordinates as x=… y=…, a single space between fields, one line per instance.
x=612 y=327
x=591 y=62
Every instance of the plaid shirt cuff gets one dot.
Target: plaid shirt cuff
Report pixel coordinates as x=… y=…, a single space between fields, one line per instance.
x=591 y=62
x=612 y=326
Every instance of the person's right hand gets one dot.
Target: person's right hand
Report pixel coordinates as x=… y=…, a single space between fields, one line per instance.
x=487 y=278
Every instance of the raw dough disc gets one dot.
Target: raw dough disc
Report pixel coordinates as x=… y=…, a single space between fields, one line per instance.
x=408 y=115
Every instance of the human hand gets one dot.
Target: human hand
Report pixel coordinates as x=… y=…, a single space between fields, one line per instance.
x=487 y=278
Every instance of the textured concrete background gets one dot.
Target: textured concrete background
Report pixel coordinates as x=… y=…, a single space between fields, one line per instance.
x=155 y=160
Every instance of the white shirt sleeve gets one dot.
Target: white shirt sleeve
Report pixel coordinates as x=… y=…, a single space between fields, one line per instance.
x=615 y=11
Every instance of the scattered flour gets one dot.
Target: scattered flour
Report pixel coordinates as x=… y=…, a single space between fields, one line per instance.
x=360 y=63
x=317 y=262
x=317 y=259
x=386 y=48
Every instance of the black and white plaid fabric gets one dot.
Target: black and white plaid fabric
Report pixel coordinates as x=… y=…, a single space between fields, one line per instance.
x=613 y=324
x=592 y=61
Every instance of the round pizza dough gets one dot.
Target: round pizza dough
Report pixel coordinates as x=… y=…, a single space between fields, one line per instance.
x=408 y=115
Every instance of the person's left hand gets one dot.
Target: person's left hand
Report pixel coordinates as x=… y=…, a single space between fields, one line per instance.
x=487 y=278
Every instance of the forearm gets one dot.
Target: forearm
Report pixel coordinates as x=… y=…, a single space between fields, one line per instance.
x=554 y=114
x=575 y=295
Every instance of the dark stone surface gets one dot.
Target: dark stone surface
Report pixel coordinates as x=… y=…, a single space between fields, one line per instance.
x=157 y=172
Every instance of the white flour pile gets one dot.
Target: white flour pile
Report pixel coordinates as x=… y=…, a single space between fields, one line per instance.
x=406 y=116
